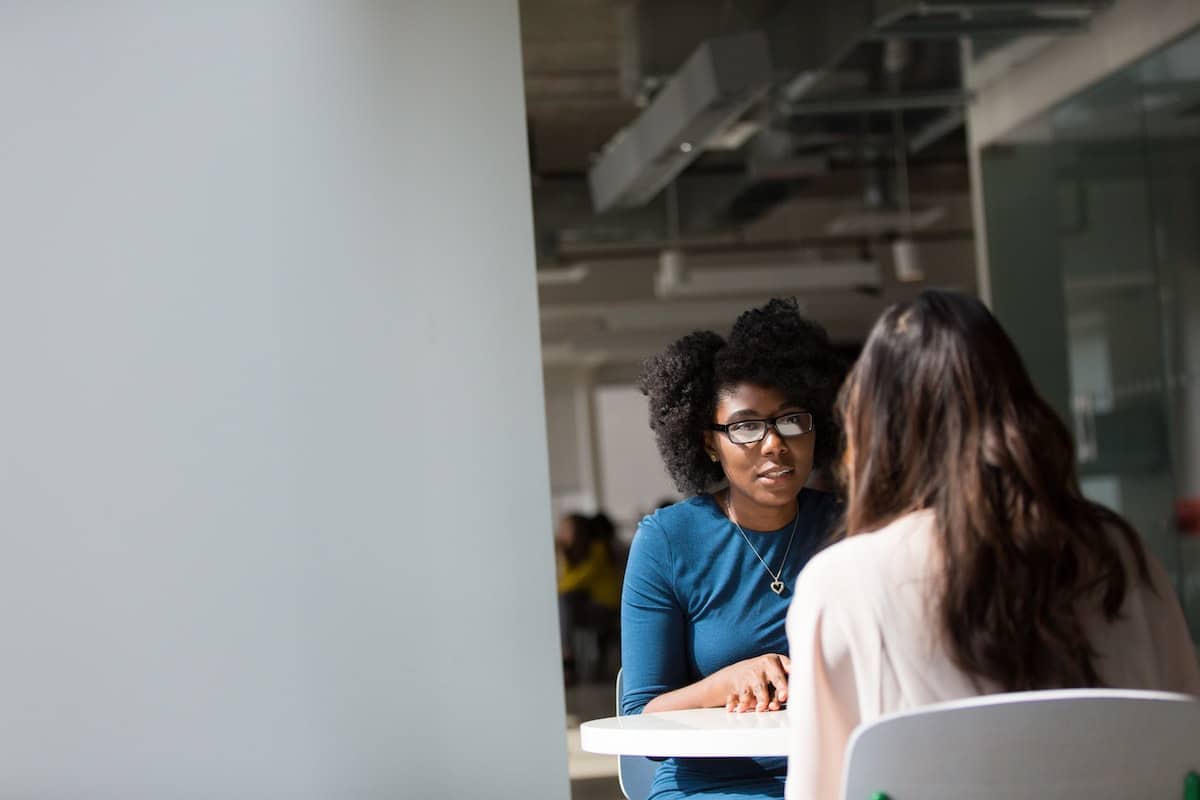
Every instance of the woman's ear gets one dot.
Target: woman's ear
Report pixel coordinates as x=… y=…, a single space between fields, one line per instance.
x=710 y=446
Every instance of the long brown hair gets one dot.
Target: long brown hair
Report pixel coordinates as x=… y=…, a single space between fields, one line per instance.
x=939 y=413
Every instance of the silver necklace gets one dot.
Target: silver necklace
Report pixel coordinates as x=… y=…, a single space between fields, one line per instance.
x=776 y=584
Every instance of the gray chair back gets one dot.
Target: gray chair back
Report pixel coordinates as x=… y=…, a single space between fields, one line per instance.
x=1085 y=744
x=635 y=773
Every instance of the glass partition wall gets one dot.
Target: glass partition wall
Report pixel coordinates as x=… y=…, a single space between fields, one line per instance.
x=1093 y=218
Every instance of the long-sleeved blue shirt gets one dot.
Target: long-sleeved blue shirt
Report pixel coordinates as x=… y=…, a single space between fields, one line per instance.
x=696 y=599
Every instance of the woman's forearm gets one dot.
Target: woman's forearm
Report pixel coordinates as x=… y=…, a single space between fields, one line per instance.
x=707 y=692
x=754 y=684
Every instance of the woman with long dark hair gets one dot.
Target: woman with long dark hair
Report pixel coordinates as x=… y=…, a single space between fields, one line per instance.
x=741 y=423
x=970 y=562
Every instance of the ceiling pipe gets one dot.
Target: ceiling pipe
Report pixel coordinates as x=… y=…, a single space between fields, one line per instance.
x=954 y=29
x=905 y=101
x=677 y=277
x=1080 y=7
x=598 y=254
x=937 y=129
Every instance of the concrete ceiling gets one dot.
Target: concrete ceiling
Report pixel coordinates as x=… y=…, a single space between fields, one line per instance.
x=571 y=50
x=611 y=319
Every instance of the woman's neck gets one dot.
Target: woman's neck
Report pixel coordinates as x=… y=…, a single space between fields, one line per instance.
x=749 y=514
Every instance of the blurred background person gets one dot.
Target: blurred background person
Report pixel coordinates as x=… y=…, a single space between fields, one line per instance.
x=589 y=591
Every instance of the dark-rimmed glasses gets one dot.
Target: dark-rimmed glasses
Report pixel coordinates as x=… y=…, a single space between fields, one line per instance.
x=749 y=431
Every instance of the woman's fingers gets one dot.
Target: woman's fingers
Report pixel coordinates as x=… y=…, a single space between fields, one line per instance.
x=758 y=684
x=779 y=679
x=762 y=696
x=746 y=698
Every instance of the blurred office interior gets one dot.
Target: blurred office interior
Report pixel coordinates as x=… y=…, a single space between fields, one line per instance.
x=692 y=159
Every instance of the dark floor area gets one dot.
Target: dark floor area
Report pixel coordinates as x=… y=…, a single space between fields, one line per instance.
x=593 y=777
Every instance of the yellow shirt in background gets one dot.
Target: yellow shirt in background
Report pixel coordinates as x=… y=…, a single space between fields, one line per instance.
x=596 y=575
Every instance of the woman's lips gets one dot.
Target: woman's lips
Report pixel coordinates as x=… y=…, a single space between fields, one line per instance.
x=776 y=475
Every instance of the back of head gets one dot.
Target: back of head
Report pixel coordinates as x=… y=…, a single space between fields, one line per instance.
x=605 y=532
x=603 y=529
x=579 y=540
x=940 y=413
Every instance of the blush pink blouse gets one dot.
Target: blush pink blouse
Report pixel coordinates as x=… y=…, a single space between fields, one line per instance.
x=864 y=642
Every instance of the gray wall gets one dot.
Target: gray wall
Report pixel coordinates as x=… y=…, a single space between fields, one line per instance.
x=273 y=483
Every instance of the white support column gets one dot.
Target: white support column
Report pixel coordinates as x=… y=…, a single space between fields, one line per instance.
x=983 y=274
x=273 y=483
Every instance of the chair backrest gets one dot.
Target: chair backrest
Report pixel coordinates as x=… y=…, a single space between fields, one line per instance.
x=634 y=773
x=1086 y=744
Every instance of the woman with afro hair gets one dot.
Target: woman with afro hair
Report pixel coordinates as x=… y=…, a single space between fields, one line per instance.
x=740 y=423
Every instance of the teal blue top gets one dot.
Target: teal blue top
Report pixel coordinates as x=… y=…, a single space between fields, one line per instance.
x=696 y=599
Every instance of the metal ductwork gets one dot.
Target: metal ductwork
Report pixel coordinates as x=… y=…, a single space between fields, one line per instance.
x=825 y=72
x=932 y=19
x=815 y=42
x=711 y=91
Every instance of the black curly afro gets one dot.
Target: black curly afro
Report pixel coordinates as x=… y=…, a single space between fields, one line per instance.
x=772 y=346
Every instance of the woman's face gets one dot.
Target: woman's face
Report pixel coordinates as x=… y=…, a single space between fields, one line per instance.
x=773 y=470
x=565 y=533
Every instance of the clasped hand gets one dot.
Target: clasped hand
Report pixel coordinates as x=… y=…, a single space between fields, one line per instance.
x=757 y=684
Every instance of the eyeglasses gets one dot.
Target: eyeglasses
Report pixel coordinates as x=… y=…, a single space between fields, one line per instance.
x=749 y=431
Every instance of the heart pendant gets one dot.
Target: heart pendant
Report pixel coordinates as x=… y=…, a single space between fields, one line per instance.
x=777 y=587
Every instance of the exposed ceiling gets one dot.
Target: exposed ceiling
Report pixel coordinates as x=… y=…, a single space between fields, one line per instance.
x=573 y=101
x=852 y=140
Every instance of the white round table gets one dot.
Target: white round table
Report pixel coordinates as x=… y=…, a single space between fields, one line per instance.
x=700 y=732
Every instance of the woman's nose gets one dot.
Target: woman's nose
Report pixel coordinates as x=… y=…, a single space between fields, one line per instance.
x=772 y=442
